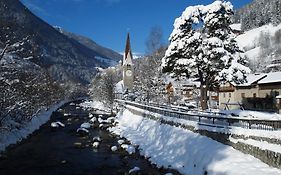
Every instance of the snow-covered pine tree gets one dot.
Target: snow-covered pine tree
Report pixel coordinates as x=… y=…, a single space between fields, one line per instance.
x=209 y=53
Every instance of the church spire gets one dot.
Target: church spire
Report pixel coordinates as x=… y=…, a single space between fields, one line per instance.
x=128 y=67
x=128 y=51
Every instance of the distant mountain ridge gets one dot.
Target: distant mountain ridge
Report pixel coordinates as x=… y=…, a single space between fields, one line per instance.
x=105 y=52
x=66 y=59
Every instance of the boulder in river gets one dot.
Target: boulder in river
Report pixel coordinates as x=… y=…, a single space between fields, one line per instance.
x=96 y=144
x=86 y=125
x=134 y=170
x=82 y=131
x=57 y=124
x=98 y=139
x=114 y=148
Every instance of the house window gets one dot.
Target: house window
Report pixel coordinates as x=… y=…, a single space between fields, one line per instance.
x=223 y=95
x=229 y=95
x=254 y=95
x=242 y=95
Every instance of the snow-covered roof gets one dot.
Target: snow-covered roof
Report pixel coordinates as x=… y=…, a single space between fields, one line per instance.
x=252 y=78
x=236 y=26
x=272 y=77
x=262 y=78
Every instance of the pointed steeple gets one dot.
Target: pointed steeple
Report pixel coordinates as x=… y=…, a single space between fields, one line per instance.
x=128 y=56
x=128 y=67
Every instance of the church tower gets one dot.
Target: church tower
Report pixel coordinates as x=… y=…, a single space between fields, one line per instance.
x=128 y=72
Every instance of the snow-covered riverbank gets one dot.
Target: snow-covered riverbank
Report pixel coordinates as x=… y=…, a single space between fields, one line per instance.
x=8 y=137
x=188 y=152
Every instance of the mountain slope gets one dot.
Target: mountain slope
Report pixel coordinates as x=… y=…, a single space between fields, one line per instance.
x=259 y=13
x=262 y=46
x=66 y=59
x=261 y=37
x=108 y=55
x=25 y=89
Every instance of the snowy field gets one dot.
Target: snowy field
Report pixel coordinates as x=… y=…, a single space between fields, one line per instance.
x=188 y=152
x=250 y=39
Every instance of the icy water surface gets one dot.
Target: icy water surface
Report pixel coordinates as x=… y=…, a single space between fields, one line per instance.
x=61 y=151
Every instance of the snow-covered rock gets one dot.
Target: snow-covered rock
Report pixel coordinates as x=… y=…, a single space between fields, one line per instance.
x=57 y=124
x=82 y=131
x=97 y=139
x=94 y=105
x=86 y=125
x=93 y=120
x=135 y=169
x=91 y=115
x=114 y=148
x=110 y=120
x=66 y=114
x=129 y=148
x=120 y=142
x=96 y=144
x=100 y=120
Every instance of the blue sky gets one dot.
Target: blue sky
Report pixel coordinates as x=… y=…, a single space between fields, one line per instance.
x=108 y=21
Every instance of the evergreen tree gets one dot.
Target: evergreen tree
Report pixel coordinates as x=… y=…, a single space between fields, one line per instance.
x=210 y=54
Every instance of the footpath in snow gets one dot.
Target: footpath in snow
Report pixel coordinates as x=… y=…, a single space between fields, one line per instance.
x=188 y=152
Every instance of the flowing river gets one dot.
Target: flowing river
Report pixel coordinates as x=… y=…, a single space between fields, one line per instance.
x=61 y=151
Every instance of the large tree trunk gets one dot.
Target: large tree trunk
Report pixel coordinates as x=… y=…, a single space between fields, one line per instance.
x=203 y=96
x=203 y=90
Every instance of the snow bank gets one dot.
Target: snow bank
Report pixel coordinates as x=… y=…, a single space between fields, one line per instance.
x=220 y=129
x=94 y=105
x=12 y=137
x=188 y=152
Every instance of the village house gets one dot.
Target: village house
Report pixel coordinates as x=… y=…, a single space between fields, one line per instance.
x=259 y=91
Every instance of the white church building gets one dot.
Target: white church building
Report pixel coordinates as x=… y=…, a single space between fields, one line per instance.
x=126 y=85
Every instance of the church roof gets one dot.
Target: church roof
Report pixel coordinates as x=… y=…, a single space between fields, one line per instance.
x=128 y=51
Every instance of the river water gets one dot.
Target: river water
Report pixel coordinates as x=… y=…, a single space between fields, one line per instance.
x=61 y=151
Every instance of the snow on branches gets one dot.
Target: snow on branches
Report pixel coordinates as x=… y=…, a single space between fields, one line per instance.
x=203 y=46
x=210 y=49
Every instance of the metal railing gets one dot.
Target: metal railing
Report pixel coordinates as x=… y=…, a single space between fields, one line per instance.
x=207 y=118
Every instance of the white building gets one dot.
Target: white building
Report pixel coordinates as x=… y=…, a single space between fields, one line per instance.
x=231 y=95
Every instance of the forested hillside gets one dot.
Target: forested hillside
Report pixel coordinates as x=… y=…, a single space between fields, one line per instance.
x=261 y=34
x=259 y=13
